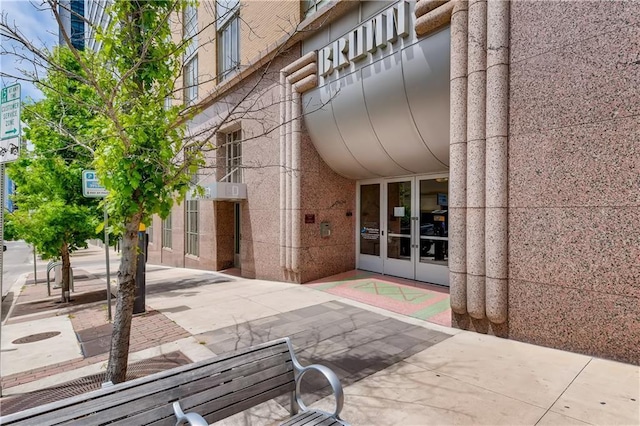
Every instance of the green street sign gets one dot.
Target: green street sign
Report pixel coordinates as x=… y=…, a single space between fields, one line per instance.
x=10 y=108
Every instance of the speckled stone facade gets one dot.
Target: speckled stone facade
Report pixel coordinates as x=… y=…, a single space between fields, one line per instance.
x=323 y=194
x=544 y=179
x=574 y=187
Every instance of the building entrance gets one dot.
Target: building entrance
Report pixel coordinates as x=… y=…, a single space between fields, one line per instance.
x=403 y=228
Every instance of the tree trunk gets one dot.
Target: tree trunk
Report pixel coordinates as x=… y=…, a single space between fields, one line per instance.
x=119 y=354
x=66 y=268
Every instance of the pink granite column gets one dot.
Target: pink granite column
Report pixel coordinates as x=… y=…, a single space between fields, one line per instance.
x=289 y=126
x=458 y=161
x=476 y=116
x=283 y=169
x=497 y=160
x=296 y=117
x=295 y=78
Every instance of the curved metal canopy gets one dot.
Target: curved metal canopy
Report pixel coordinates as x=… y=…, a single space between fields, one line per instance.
x=389 y=117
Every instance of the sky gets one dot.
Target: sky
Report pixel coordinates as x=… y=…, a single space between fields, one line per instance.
x=39 y=26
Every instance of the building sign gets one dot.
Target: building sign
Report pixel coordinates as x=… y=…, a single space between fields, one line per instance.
x=370 y=231
x=10 y=105
x=377 y=32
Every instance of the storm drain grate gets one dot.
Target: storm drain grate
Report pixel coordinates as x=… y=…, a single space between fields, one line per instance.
x=90 y=383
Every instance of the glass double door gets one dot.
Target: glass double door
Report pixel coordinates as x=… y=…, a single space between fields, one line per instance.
x=403 y=228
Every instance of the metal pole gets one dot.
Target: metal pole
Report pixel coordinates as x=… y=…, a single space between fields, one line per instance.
x=1 y=240
x=35 y=274
x=106 y=255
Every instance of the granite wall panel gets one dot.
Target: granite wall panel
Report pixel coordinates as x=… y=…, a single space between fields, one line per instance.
x=574 y=192
x=589 y=248
x=541 y=26
x=594 y=80
x=579 y=320
x=595 y=165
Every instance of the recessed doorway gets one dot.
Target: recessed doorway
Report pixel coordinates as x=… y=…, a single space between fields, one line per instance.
x=403 y=227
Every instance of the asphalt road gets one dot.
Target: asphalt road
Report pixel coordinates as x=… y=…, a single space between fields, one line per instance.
x=17 y=260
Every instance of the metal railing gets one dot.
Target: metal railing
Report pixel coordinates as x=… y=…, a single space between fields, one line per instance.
x=52 y=265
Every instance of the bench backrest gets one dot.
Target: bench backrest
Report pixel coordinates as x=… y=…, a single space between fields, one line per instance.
x=216 y=388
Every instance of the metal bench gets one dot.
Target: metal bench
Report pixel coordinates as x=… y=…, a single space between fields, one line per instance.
x=208 y=391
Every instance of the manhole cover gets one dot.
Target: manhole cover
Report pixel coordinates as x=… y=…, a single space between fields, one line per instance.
x=35 y=337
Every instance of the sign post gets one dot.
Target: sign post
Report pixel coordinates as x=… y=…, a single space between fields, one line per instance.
x=10 y=107
x=91 y=188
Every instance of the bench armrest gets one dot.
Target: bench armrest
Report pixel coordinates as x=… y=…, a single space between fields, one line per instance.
x=192 y=419
x=331 y=377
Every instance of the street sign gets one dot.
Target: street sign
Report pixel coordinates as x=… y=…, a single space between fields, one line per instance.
x=91 y=185
x=10 y=106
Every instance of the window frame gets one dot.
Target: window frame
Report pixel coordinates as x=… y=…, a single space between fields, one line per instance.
x=190 y=81
x=150 y=231
x=190 y=67
x=228 y=39
x=233 y=156
x=192 y=222
x=167 y=232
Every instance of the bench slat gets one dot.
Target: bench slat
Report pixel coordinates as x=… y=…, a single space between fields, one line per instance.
x=245 y=399
x=326 y=422
x=248 y=403
x=275 y=365
x=62 y=411
x=303 y=418
x=228 y=411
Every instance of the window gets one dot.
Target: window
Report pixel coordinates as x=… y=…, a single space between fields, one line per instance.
x=166 y=232
x=309 y=7
x=192 y=156
x=150 y=231
x=228 y=37
x=190 y=71
x=77 y=24
x=167 y=103
x=233 y=156
x=191 y=81
x=192 y=228
x=190 y=29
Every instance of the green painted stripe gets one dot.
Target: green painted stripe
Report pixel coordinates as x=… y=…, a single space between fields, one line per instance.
x=327 y=286
x=395 y=291
x=432 y=310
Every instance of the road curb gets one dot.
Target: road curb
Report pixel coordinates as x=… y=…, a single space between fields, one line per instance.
x=22 y=279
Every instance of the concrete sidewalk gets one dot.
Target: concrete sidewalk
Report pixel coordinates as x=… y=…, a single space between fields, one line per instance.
x=396 y=369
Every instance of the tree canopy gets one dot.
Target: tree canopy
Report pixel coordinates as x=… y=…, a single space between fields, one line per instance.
x=52 y=213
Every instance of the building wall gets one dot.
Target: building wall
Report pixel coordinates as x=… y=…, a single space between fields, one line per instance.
x=263 y=23
x=207 y=44
x=574 y=197
x=330 y=198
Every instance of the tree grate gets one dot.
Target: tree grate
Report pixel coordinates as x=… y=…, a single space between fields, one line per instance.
x=90 y=383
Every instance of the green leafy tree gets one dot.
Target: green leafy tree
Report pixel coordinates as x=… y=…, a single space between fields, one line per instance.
x=138 y=145
x=53 y=215
x=142 y=151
